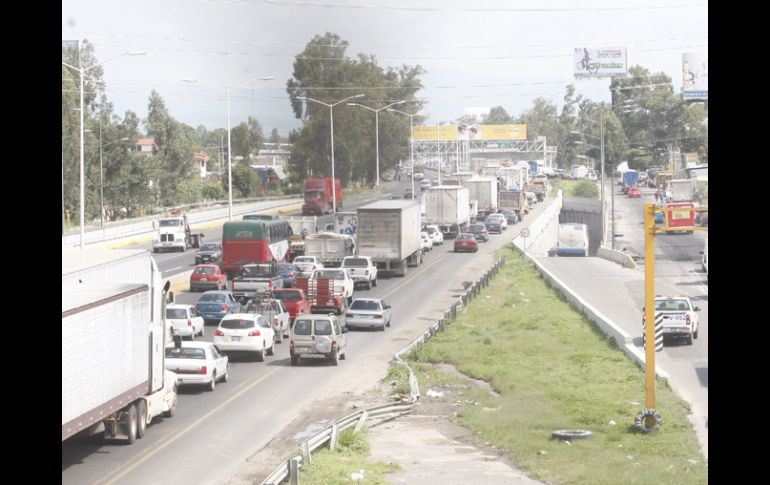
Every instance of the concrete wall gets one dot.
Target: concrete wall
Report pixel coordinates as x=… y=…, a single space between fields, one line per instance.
x=543 y=231
x=622 y=259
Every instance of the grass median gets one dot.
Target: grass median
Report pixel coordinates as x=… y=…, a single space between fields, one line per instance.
x=551 y=368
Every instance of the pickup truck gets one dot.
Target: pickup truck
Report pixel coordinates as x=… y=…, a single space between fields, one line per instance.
x=327 y=289
x=361 y=270
x=307 y=264
x=256 y=278
x=294 y=301
x=274 y=312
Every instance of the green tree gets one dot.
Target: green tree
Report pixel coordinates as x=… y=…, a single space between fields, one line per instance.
x=275 y=137
x=586 y=188
x=247 y=138
x=498 y=116
x=245 y=180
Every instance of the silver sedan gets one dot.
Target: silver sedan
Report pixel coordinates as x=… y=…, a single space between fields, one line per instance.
x=368 y=313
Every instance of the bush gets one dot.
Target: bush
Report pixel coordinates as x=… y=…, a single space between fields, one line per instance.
x=586 y=188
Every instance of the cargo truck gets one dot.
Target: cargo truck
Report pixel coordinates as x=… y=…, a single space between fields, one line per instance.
x=484 y=190
x=301 y=227
x=680 y=190
x=114 y=335
x=514 y=200
x=630 y=179
x=448 y=206
x=389 y=233
x=330 y=248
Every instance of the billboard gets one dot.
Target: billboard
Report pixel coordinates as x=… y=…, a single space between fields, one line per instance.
x=470 y=132
x=601 y=62
x=695 y=76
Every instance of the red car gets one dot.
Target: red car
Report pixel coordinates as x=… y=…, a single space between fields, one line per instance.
x=294 y=301
x=466 y=242
x=207 y=277
x=634 y=192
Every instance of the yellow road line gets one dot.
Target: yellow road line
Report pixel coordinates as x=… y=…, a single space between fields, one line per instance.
x=150 y=453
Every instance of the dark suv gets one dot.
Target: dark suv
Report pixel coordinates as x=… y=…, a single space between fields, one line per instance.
x=480 y=231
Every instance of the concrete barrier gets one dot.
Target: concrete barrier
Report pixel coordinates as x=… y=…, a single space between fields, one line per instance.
x=619 y=257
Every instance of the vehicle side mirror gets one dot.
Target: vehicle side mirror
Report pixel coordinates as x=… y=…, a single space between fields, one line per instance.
x=697 y=308
x=345 y=329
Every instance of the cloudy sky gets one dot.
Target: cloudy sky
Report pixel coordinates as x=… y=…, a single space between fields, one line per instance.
x=477 y=54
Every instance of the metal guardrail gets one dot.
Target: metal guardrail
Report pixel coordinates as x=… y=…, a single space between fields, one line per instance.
x=289 y=468
x=144 y=226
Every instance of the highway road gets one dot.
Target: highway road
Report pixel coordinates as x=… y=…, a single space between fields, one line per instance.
x=618 y=293
x=214 y=433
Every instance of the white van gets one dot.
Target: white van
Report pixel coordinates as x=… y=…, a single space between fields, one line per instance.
x=572 y=240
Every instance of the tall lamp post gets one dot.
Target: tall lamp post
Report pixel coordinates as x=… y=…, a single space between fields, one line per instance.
x=331 y=124
x=229 y=146
x=377 y=129
x=82 y=71
x=411 y=140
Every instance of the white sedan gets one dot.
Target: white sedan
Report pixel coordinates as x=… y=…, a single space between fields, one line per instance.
x=185 y=321
x=369 y=313
x=426 y=242
x=197 y=363
x=435 y=233
x=245 y=332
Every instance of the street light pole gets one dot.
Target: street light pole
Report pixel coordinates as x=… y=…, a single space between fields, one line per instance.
x=331 y=122
x=411 y=141
x=229 y=145
x=81 y=71
x=377 y=131
x=601 y=133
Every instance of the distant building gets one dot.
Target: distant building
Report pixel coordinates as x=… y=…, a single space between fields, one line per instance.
x=145 y=145
x=201 y=159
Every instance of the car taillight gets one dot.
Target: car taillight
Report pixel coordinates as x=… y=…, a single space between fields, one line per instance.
x=291 y=275
x=269 y=285
x=366 y=273
x=334 y=344
x=189 y=322
x=224 y=308
x=219 y=333
x=204 y=369
x=254 y=333
x=687 y=319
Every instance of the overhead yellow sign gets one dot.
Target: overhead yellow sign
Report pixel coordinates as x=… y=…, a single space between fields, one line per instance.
x=470 y=132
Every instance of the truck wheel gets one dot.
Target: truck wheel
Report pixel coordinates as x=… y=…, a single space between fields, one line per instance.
x=294 y=360
x=374 y=283
x=688 y=340
x=227 y=368
x=271 y=350
x=131 y=425
x=213 y=384
x=141 y=411
x=695 y=335
x=335 y=358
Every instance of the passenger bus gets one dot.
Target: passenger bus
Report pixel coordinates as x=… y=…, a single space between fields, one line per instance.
x=254 y=241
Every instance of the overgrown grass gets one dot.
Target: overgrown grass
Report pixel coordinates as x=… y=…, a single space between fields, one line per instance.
x=352 y=454
x=400 y=374
x=555 y=370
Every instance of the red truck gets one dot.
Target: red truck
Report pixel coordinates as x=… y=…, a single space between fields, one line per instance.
x=320 y=292
x=680 y=217
x=318 y=196
x=294 y=301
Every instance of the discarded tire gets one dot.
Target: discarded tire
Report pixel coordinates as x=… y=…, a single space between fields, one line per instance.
x=648 y=420
x=571 y=434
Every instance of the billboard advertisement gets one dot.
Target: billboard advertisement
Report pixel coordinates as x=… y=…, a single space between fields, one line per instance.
x=600 y=62
x=695 y=76
x=470 y=132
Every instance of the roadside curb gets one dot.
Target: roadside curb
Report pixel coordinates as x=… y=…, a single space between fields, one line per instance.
x=615 y=256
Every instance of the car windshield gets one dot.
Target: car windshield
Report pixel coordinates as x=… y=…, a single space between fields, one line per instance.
x=185 y=353
x=287 y=295
x=209 y=247
x=237 y=324
x=176 y=313
x=204 y=270
x=477 y=228
x=323 y=327
x=465 y=236
x=672 y=305
x=170 y=223
x=302 y=327
x=334 y=275
x=365 y=305
x=355 y=263
x=430 y=230
x=212 y=297
x=257 y=270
